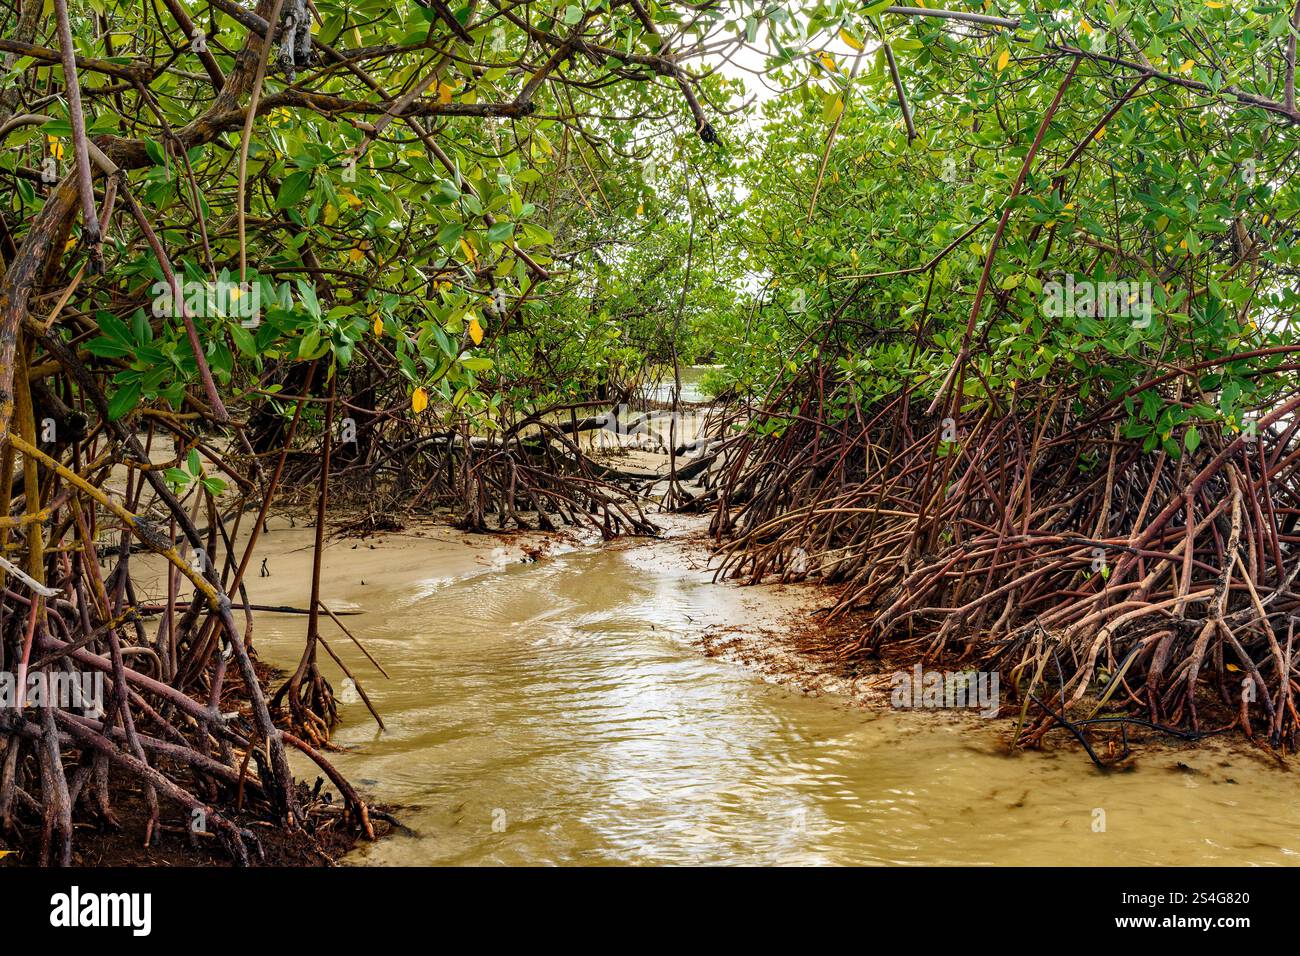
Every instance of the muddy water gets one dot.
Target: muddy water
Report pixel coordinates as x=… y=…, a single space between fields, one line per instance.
x=555 y=711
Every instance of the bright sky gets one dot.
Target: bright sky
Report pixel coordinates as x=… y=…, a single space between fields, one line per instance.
x=747 y=65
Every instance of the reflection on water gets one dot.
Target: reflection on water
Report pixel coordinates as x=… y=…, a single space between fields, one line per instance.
x=692 y=376
x=555 y=712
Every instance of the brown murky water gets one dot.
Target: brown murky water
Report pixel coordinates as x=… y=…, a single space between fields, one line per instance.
x=555 y=712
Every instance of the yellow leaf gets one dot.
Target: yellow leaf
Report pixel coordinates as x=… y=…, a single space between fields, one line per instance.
x=470 y=254
x=1214 y=4
x=851 y=40
x=356 y=254
x=56 y=147
x=379 y=325
x=1186 y=67
x=828 y=62
x=475 y=331
x=444 y=93
x=1232 y=667
x=1085 y=26
x=1003 y=60
x=640 y=210
x=419 y=400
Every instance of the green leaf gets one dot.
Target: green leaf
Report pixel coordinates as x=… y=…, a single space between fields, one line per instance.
x=244 y=340
x=292 y=189
x=449 y=234
x=107 y=348
x=308 y=344
x=537 y=235
x=123 y=400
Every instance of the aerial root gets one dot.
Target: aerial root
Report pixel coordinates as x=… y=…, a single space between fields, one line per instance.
x=1035 y=544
